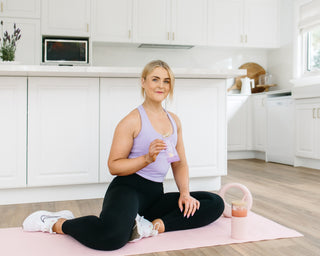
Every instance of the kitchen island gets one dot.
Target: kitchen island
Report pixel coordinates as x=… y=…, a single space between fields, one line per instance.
x=58 y=124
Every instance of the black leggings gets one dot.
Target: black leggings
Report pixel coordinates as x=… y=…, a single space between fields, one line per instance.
x=129 y=195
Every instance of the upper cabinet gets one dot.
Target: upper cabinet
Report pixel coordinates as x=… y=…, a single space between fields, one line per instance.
x=20 y=8
x=170 y=21
x=152 y=21
x=111 y=20
x=189 y=22
x=65 y=18
x=248 y=23
x=261 y=23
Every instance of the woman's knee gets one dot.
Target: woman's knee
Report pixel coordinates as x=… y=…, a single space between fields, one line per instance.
x=217 y=204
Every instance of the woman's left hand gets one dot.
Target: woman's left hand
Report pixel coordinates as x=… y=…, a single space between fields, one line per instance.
x=190 y=205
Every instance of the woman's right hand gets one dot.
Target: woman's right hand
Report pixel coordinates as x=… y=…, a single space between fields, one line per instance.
x=154 y=149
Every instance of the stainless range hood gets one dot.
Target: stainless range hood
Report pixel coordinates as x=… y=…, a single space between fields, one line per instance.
x=165 y=46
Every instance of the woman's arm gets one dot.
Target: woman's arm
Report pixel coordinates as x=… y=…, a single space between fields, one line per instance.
x=181 y=175
x=125 y=132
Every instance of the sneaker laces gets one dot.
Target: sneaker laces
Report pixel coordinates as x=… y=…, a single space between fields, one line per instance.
x=148 y=229
x=155 y=230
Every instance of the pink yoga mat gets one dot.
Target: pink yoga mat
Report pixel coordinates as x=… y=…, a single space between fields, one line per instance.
x=14 y=241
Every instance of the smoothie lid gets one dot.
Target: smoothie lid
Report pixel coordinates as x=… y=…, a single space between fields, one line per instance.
x=239 y=203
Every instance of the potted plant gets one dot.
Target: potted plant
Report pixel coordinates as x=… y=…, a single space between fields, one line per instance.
x=8 y=44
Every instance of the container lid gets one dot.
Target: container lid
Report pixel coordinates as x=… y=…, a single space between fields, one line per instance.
x=239 y=203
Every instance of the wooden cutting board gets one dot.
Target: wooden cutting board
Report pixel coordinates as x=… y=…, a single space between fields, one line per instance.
x=254 y=70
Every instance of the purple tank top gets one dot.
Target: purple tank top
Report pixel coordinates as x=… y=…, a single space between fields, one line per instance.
x=157 y=170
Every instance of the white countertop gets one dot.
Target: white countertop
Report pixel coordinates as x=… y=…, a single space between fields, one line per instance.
x=306 y=87
x=95 y=71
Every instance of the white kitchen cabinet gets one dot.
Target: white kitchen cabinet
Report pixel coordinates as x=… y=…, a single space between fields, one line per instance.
x=13 y=131
x=308 y=128
x=118 y=96
x=112 y=20
x=259 y=121
x=248 y=23
x=152 y=21
x=65 y=17
x=239 y=122
x=200 y=105
x=29 y=46
x=20 y=8
x=189 y=22
x=225 y=22
x=63 y=131
x=170 y=21
x=203 y=131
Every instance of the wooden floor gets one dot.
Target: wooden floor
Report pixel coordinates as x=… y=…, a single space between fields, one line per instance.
x=287 y=195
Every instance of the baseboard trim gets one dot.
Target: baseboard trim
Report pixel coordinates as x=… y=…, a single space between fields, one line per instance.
x=246 y=154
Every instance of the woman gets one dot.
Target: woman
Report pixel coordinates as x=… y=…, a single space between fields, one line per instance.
x=138 y=158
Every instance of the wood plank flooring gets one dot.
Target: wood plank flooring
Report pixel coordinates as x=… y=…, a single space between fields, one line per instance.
x=287 y=195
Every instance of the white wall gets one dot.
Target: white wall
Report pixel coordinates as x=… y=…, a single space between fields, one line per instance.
x=280 y=61
x=197 y=57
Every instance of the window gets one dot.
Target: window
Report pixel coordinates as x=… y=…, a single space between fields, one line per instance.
x=312 y=53
x=309 y=37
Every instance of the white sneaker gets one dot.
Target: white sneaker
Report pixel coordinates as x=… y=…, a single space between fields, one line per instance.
x=44 y=221
x=142 y=228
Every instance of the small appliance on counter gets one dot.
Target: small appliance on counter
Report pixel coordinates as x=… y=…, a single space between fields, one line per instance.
x=65 y=51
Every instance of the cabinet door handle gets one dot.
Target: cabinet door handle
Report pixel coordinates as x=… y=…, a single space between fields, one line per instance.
x=87 y=27
x=245 y=39
x=314 y=113
x=241 y=39
x=1 y=6
x=168 y=35
x=318 y=113
x=129 y=34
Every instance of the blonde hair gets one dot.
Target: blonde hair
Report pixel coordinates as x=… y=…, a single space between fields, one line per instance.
x=156 y=64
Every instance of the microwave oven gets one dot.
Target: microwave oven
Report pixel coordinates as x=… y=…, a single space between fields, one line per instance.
x=65 y=51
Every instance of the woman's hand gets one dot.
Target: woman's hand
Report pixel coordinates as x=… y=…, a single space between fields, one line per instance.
x=154 y=149
x=190 y=205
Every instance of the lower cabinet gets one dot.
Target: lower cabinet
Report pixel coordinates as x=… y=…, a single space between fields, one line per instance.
x=13 y=131
x=308 y=128
x=118 y=97
x=200 y=105
x=247 y=122
x=239 y=122
x=259 y=122
x=63 y=131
